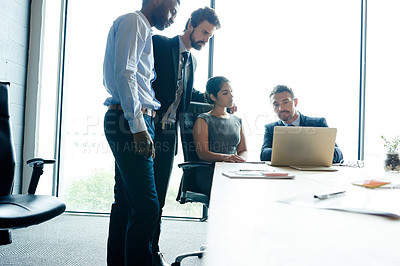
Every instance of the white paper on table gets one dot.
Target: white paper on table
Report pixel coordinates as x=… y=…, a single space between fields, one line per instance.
x=367 y=201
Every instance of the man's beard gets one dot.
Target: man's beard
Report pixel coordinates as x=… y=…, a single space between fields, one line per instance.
x=196 y=45
x=290 y=116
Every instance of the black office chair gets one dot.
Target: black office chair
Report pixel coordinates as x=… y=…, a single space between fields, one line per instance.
x=188 y=191
x=20 y=210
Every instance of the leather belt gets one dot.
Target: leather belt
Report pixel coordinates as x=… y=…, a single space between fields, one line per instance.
x=145 y=111
x=168 y=126
x=114 y=107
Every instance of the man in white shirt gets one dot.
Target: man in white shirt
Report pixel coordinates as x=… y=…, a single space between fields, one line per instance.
x=129 y=128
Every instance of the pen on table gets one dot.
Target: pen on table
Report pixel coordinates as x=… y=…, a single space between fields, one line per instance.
x=257 y=170
x=326 y=196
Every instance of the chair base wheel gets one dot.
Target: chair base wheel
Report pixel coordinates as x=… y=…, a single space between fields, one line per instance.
x=5 y=237
x=198 y=254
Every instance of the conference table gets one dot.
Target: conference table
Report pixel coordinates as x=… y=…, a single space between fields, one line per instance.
x=258 y=221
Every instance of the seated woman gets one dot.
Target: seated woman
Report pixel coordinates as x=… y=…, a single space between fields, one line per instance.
x=217 y=134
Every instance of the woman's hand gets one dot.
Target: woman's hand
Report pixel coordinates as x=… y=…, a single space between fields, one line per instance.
x=234 y=158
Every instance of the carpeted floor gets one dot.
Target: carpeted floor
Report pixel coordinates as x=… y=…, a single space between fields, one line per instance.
x=81 y=240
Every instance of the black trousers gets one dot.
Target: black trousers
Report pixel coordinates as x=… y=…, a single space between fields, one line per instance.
x=135 y=211
x=165 y=146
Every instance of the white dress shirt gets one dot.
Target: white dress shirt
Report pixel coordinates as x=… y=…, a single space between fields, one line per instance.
x=128 y=68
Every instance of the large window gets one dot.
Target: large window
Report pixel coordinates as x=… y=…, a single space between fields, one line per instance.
x=382 y=82
x=87 y=164
x=48 y=93
x=312 y=46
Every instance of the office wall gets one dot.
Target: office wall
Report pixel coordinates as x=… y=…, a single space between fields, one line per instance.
x=14 y=44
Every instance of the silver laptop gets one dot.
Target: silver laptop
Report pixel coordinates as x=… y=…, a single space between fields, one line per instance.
x=304 y=148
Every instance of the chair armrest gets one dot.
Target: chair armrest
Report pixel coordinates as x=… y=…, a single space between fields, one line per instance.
x=188 y=189
x=39 y=161
x=37 y=164
x=190 y=196
x=194 y=164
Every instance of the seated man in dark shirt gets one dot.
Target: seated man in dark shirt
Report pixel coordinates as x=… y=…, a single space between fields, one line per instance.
x=284 y=104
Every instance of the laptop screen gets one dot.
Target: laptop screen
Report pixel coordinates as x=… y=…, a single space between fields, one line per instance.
x=303 y=146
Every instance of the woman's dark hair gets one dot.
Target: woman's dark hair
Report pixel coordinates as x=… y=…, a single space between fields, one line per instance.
x=214 y=85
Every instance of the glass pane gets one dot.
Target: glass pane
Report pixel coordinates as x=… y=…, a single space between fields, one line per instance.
x=87 y=169
x=301 y=44
x=382 y=90
x=48 y=94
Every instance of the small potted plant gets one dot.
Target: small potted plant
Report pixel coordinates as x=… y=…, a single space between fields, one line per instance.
x=392 y=162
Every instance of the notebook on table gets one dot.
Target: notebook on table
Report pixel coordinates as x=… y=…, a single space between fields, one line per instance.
x=304 y=148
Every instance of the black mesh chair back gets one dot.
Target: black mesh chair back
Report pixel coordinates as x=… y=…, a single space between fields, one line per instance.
x=7 y=161
x=189 y=117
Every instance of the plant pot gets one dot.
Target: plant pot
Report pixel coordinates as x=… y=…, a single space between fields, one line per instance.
x=392 y=162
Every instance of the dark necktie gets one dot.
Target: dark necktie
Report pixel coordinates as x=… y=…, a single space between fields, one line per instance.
x=185 y=56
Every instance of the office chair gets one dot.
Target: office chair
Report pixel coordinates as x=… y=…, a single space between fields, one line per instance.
x=20 y=210
x=188 y=191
